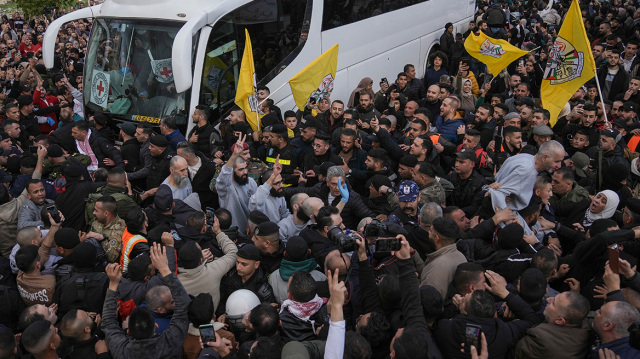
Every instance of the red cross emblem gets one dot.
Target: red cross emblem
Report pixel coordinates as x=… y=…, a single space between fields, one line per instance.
x=166 y=72
x=100 y=88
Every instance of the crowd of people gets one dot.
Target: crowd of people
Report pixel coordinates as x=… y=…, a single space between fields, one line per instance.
x=442 y=217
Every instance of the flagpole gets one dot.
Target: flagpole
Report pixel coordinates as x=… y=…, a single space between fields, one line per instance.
x=271 y=93
x=604 y=109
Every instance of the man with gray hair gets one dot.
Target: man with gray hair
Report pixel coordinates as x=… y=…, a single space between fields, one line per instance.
x=418 y=237
x=612 y=324
x=294 y=223
x=178 y=179
x=334 y=191
x=235 y=187
x=200 y=172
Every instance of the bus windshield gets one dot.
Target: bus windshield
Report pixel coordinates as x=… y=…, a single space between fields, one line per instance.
x=129 y=70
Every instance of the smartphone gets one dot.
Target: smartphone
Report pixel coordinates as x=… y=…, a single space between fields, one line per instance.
x=472 y=337
x=207 y=333
x=614 y=255
x=33 y=149
x=53 y=211
x=387 y=245
x=581 y=102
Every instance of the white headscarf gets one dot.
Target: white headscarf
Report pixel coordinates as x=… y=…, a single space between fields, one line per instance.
x=609 y=209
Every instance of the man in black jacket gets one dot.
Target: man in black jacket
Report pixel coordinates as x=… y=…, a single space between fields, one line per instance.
x=70 y=202
x=200 y=133
x=467 y=182
x=479 y=309
x=321 y=154
x=79 y=330
x=62 y=135
x=200 y=170
x=161 y=155
x=247 y=275
x=89 y=142
x=130 y=149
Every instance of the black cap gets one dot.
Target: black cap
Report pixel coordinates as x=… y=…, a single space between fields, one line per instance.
x=159 y=140
x=257 y=217
x=163 y=199
x=85 y=255
x=54 y=151
x=266 y=229
x=128 y=128
x=466 y=154
x=279 y=128
x=249 y=251
x=297 y=249
x=631 y=106
x=378 y=181
x=309 y=122
x=66 y=238
x=24 y=100
x=409 y=161
x=4 y=136
x=620 y=123
x=25 y=88
x=511 y=236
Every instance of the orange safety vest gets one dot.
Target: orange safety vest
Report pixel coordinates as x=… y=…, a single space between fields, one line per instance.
x=128 y=242
x=633 y=143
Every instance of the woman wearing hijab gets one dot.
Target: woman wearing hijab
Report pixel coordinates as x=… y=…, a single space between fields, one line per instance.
x=575 y=218
x=463 y=90
x=366 y=84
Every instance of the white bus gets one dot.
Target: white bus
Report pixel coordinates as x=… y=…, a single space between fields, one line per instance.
x=151 y=58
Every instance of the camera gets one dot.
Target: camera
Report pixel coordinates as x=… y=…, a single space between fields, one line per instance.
x=386 y=245
x=376 y=229
x=345 y=241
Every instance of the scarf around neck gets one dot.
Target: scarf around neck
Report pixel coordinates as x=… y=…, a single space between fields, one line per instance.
x=303 y=311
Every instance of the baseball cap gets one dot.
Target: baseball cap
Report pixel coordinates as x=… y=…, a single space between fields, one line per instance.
x=159 y=141
x=466 y=154
x=580 y=162
x=54 y=151
x=620 y=123
x=378 y=181
x=630 y=106
x=163 y=199
x=612 y=132
x=128 y=128
x=310 y=122
x=408 y=191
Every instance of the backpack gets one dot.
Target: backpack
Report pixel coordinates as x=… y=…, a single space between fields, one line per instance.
x=90 y=203
x=81 y=291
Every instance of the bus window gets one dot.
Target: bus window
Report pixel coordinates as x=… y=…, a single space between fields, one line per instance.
x=342 y=12
x=278 y=30
x=128 y=69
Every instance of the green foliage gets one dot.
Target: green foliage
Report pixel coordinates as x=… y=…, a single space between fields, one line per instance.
x=37 y=7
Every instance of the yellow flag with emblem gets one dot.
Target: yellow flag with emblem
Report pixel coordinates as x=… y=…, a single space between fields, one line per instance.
x=570 y=64
x=496 y=54
x=246 y=96
x=316 y=80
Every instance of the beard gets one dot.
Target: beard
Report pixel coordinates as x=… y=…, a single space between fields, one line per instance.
x=66 y=117
x=241 y=180
x=302 y=216
x=180 y=181
x=276 y=192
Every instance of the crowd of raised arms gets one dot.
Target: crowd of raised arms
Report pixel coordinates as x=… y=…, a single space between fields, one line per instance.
x=442 y=217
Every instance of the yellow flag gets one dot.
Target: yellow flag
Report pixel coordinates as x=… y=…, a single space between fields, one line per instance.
x=496 y=54
x=315 y=80
x=246 y=97
x=570 y=64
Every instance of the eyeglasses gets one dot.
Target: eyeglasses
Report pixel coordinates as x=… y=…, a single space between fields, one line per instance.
x=317 y=145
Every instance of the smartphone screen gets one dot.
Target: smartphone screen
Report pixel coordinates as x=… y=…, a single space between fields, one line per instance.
x=472 y=337
x=613 y=259
x=207 y=333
